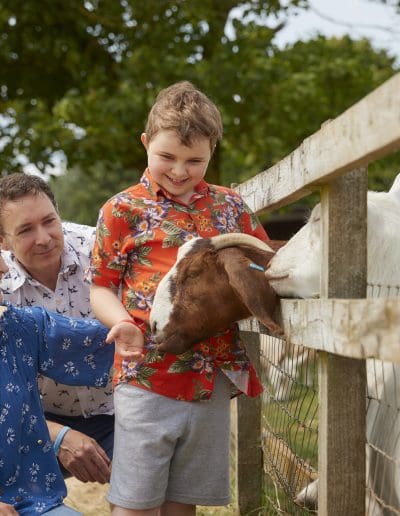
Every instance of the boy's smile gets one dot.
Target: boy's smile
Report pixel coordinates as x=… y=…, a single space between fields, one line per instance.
x=174 y=166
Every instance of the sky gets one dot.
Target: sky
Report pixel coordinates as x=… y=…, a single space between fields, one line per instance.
x=359 y=18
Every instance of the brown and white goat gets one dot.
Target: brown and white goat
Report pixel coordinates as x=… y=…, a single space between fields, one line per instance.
x=214 y=282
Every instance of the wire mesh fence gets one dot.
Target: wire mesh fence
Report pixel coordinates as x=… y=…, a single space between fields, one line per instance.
x=383 y=428
x=289 y=422
x=290 y=427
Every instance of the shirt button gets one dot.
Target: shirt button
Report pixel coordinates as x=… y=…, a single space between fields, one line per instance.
x=18 y=498
x=39 y=441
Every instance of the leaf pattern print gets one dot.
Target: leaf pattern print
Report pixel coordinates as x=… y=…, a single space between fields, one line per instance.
x=142 y=297
x=140 y=255
x=151 y=225
x=138 y=371
x=176 y=236
x=102 y=232
x=193 y=361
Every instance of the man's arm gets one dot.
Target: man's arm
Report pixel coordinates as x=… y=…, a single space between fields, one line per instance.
x=81 y=455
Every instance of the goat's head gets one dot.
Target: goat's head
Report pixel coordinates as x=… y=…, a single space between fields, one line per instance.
x=211 y=286
x=295 y=270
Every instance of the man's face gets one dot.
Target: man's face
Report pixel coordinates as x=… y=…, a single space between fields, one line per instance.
x=32 y=231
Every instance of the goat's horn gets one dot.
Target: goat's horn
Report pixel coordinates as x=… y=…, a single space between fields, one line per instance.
x=234 y=239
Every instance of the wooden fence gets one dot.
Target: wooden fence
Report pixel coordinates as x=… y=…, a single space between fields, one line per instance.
x=334 y=160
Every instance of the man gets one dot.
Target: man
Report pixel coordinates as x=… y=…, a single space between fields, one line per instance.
x=47 y=260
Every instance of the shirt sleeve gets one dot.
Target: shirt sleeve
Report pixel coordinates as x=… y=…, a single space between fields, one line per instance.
x=109 y=257
x=71 y=351
x=251 y=225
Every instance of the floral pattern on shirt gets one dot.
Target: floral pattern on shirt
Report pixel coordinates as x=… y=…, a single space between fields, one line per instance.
x=72 y=351
x=71 y=297
x=139 y=232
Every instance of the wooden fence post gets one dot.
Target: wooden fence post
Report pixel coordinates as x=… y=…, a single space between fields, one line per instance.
x=249 y=464
x=342 y=381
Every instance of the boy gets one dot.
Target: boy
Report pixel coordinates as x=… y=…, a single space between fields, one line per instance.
x=172 y=412
x=69 y=350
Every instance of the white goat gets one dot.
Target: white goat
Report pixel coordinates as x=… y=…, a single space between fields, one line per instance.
x=294 y=271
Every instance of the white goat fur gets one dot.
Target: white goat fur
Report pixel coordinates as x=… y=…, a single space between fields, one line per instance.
x=299 y=261
x=298 y=266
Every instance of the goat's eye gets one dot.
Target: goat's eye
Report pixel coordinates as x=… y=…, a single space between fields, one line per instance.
x=191 y=274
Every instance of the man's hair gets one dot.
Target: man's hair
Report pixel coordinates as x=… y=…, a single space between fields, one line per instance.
x=190 y=113
x=18 y=185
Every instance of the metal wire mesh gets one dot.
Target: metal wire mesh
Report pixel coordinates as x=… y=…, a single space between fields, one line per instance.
x=289 y=422
x=290 y=425
x=383 y=428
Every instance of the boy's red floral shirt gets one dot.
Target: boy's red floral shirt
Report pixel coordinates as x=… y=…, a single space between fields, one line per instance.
x=138 y=234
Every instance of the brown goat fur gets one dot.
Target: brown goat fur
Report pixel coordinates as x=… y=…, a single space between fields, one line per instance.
x=214 y=289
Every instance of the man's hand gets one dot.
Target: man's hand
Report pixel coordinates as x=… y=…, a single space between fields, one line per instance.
x=84 y=458
x=128 y=340
x=7 y=510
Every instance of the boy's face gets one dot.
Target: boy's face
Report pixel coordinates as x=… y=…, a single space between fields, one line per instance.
x=174 y=166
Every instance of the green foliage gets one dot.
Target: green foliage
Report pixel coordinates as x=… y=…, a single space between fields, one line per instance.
x=80 y=194
x=80 y=76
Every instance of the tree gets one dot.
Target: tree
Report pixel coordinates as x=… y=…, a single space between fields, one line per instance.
x=69 y=70
x=95 y=67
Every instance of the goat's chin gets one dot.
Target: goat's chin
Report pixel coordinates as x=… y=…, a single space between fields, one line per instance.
x=291 y=289
x=175 y=344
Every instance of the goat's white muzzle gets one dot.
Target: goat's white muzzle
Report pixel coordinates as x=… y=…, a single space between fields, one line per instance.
x=162 y=306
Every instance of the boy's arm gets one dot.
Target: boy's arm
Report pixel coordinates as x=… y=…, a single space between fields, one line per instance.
x=106 y=306
x=111 y=312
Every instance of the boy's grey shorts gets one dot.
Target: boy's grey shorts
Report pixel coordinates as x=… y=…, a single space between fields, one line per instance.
x=171 y=450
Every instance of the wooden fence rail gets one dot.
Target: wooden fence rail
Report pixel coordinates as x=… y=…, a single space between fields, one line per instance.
x=347 y=328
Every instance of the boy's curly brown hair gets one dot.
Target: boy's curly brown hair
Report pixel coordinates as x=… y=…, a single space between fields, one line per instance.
x=184 y=109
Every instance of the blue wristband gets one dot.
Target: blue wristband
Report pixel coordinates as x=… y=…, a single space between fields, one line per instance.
x=59 y=438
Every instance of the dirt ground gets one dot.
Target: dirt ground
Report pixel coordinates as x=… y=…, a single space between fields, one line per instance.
x=87 y=498
x=90 y=500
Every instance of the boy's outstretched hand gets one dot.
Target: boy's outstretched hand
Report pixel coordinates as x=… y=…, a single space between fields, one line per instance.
x=128 y=340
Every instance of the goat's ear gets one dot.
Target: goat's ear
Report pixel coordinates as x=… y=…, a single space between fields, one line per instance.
x=251 y=286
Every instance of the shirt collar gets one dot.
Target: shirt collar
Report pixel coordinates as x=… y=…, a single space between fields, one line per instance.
x=154 y=189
